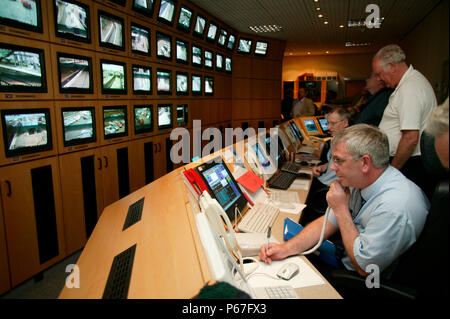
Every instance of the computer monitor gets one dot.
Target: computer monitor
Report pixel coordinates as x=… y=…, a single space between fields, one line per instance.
x=163 y=46
x=164 y=116
x=25 y=15
x=182 y=51
x=26 y=131
x=219 y=62
x=310 y=125
x=140 y=39
x=23 y=69
x=296 y=131
x=167 y=11
x=323 y=124
x=163 y=82
x=208 y=59
x=182 y=83
x=196 y=55
x=212 y=32
x=228 y=65
x=196 y=84
x=231 y=42
x=115 y=121
x=222 y=37
x=72 y=20
x=222 y=186
x=277 y=154
x=143 y=118
x=144 y=7
x=209 y=85
x=199 y=27
x=114 y=77
x=259 y=154
x=245 y=46
x=78 y=125
x=185 y=19
x=182 y=114
x=111 y=31
x=261 y=48
x=142 y=79
x=74 y=74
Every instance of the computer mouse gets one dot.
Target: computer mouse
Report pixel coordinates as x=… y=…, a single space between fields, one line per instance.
x=288 y=271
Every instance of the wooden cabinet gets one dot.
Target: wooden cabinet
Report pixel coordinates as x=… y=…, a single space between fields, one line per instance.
x=32 y=209
x=5 y=283
x=142 y=162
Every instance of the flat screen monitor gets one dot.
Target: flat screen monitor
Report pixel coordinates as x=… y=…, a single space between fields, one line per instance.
x=185 y=19
x=182 y=51
x=26 y=131
x=114 y=77
x=222 y=186
x=245 y=46
x=196 y=84
x=228 y=65
x=163 y=82
x=209 y=85
x=231 y=42
x=208 y=59
x=167 y=11
x=72 y=20
x=140 y=39
x=22 y=69
x=74 y=73
x=163 y=46
x=222 y=37
x=143 y=119
x=261 y=48
x=323 y=124
x=182 y=83
x=310 y=125
x=182 y=114
x=111 y=31
x=196 y=55
x=261 y=155
x=219 y=62
x=144 y=7
x=78 y=125
x=199 y=27
x=25 y=15
x=164 y=116
x=142 y=79
x=296 y=131
x=115 y=121
x=212 y=32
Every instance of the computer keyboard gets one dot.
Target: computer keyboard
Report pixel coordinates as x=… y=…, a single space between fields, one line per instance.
x=258 y=218
x=275 y=292
x=281 y=180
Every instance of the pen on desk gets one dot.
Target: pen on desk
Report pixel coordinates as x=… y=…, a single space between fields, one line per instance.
x=269 y=230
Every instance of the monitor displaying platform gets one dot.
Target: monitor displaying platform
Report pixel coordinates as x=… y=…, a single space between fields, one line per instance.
x=26 y=131
x=12 y=14
x=196 y=55
x=182 y=83
x=163 y=46
x=209 y=85
x=185 y=19
x=115 y=121
x=199 y=27
x=140 y=39
x=142 y=79
x=143 y=118
x=323 y=124
x=144 y=7
x=261 y=48
x=167 y=11
x=182 y=51
x=245 y=46
x=164 y=116
x=111 y=31
x=196 y=84
x=212 y=32
x=310 y=125
x=78 y=125
x=72 y=20
x=74 y=73
x=163 y=81
x=114 y=79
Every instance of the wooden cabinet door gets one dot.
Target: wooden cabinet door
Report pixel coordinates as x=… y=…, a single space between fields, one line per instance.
x=5 y=283
x=141 y=154
x=32 y=208
x=160 y=167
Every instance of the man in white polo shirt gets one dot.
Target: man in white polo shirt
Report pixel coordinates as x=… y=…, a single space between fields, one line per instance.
x=405 y=116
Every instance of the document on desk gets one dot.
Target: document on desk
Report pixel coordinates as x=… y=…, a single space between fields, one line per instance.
x=300 y=184
x=284 y=196
x=305 y=278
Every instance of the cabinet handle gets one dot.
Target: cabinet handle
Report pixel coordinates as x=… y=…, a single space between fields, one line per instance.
x=9 y=188
x=99 y=163
x=106 y=161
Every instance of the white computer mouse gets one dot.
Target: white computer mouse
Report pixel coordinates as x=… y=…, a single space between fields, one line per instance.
x=288 y=271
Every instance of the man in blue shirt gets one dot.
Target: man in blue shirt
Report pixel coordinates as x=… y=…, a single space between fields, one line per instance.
x=379 y=212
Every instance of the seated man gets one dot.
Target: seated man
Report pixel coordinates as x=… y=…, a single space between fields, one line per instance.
x=379 y=212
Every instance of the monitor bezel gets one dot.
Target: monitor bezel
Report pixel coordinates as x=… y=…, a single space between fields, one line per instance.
x=198 y=34
x=135 y=92
x=327 y=131
x=115 y=135
x=145 y=130
x=199 y=65
x=144 y=12
x=27 y=150
x=267 y=48
x=204 y=89
x=149 y=53
x=201 y=84
x=160 y=35
x=163 y=20
x=63 y=35
x=187 y=51
x=159 y=92
x=244 y=52
x=176 y=80
x=107 y=44
x=165 y=126
x=179 y=25
x=62 y=90
x=24 y=26
x=74 y=142
x=104 y=91
x=207 y=38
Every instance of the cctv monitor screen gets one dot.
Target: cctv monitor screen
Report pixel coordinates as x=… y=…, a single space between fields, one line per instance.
x=142 y=79
x=22 y=69
x=115 y=121
x=75 y=73
x=114 y=79
x=111 y=31
x=212 y=31
x=143 y=119
x=78 y=125
x=219 y=62
x=228 y=65
x=182 y=51
x=208 y=59
x=163 y=46
x=209 y=85
x=231 y=41
x=72 y=20
x=164 y=116
x=261 y=48
x=310 y=125
x=222 y=37
x=196 y=55
x=182 y=83
x=140 y=39
x=199 y=27
x=196 y=84
x=144 y=7
x=26 y=131
x=185 y=19
x=323 y=124
x=245 y=46
x=182 y=114
x=25 y=15
x=167 y=11
x=163 y=81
